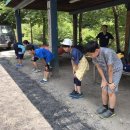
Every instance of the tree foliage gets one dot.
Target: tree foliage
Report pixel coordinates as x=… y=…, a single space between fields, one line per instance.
x=6 y=14
x=91 y=23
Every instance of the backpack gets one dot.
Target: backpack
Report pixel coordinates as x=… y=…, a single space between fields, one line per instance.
x=80 y=48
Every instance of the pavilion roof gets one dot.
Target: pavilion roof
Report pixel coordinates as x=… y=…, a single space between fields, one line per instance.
x=65 y=5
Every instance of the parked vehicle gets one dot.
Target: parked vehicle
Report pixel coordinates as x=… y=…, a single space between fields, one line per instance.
x=7 y=36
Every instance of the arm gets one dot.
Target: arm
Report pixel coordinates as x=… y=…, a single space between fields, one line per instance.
x=104 y=81
x=111 y=41
x=110 y=69
x=111 y=38
x=44 y=62
x=75 y=59
x=110 y=74
x=74 y=66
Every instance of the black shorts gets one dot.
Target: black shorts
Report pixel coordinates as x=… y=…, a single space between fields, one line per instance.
x=20 y=56
x=34 y=59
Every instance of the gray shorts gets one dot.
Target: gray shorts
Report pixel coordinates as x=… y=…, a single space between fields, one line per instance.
x=116 y=79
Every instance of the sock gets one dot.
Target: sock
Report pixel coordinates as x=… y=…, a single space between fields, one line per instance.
x=44 y=79
x=111 y=109
x=106 y=106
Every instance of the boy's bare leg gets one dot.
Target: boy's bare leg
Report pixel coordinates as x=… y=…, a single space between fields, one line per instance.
x=104 y=97
x=35 y=65
x=75 y=87
x=46 y=75
x=112 y=100
x=79 y=89
x=19 y=61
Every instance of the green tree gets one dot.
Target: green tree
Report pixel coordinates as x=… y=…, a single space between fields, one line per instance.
x=64 y=26
x=39 y=18
x=6 y=14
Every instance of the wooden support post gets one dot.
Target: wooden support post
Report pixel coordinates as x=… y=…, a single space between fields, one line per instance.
x=127 y=33
x=53 y=32
x=75 y=29
x=18 y=26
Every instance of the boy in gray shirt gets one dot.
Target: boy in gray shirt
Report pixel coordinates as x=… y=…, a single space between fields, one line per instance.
x=110 y=69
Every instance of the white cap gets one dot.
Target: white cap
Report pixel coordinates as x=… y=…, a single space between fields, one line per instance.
x=67 y=42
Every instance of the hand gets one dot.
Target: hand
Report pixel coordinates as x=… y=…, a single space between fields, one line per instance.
x=104 y=83
x=32 y=58
x=112 y=86
x=73 y=72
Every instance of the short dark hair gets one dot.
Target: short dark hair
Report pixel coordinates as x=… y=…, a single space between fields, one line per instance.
x=25 y=42
x=29 y=47
x=105 y=26
x=91 y=46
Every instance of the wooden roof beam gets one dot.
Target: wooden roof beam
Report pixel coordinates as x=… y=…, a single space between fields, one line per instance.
x=100 y=6
x=23 y=4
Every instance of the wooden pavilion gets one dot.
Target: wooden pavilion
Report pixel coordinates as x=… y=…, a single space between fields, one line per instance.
x=72 y=6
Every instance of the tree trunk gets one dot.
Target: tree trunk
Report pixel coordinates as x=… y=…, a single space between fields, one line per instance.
x=80 y=27
x=116 y=19
x=127 y=32
x=31 y=32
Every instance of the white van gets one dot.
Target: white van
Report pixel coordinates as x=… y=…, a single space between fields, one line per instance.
x=7 y=36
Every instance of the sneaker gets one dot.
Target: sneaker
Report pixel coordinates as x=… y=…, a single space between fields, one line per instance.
x=37 y=70
x=43 y=81
x=101 y=110
x=77 y=96
x=33 y=69
x=107 y=114
x=19 y=65
x=73 y=93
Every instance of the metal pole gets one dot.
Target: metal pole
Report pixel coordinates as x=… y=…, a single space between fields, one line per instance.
x=75 y=29
x=18 y=26
x=53 y=32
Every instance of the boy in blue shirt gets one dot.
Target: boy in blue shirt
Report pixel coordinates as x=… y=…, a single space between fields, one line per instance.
x=79 y=64
x=19 y=51
x=46 y=57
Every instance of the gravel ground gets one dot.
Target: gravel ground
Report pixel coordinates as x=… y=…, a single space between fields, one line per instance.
x=62 y=112
x=57 y=114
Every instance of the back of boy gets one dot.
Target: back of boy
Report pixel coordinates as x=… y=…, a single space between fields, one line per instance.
x=19 y=51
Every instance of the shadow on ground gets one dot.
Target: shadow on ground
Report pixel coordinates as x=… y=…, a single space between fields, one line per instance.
x=58 y=115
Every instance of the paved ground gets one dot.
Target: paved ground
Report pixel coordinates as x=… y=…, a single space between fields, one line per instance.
x=62 y=112
x=16 y=111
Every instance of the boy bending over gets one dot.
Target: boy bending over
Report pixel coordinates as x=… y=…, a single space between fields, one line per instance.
x=46 y=57
x=79 y=65
x=110 y=69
